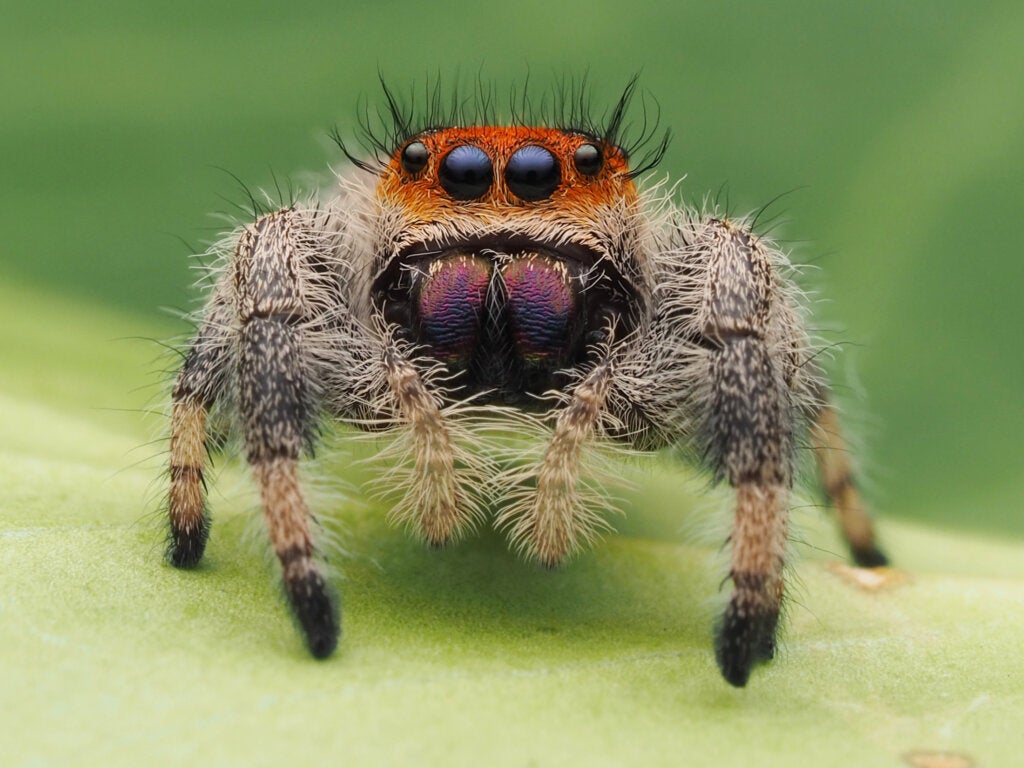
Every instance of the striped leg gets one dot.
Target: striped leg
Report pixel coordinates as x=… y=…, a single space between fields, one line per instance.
x=837 y=478
x=190 y=524
x=199 y=384
x=749 y=432
x=276 y=403
x=728 y=365
x=751 y=426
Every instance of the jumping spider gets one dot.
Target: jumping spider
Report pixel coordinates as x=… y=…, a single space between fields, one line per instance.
x=501 y=270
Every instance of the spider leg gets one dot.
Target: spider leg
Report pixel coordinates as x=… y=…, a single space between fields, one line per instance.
x=280 y=330
x=753 y=436
x=838 y=480
x=748 y=434
x=277 y=285
x=726 y=366
x=200 y=383
x=717 y=371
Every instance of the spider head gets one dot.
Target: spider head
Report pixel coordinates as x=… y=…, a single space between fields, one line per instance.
x=508 y=250
x=445 y=172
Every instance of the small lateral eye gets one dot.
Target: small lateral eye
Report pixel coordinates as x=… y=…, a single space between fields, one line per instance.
x=532 y=173
x=414 y=157
x=587 y=159
x=466 y=172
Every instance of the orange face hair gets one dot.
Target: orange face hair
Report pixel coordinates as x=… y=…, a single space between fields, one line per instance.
x=586 y=171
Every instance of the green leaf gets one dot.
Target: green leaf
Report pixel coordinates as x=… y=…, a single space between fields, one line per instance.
x=462 y=657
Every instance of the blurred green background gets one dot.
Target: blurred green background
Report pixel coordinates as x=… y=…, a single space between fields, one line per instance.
x=897 y=128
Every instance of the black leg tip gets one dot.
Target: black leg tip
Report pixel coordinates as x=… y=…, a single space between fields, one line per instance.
x=186 y=547
x=870 y=557
x=322 y=640
x=742 y=642
x=316 y=613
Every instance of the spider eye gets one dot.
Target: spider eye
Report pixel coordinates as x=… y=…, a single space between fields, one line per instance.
x=532 y=173
x=587 y=159
x=466 y=172
x=414 y=157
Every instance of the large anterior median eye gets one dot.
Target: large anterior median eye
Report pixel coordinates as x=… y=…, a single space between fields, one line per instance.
x=466 y=172
x=532 y=173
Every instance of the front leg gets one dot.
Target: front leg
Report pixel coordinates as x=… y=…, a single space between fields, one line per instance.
x=726 y=367
x=274 y=277
x=717 y=371
x=748 y=435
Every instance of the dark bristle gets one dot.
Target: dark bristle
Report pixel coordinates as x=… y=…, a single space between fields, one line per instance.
x=567 y=105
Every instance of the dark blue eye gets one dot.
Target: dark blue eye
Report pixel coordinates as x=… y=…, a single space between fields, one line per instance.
x=532 y=173
x=466 y=172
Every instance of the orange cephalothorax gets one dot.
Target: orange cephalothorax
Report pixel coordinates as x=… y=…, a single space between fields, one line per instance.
x=437 y=173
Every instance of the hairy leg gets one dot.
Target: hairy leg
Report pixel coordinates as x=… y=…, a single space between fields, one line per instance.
x=838 y=480
x=200 y=383
x=751 y=435
x=717 y=372
x=274 y=278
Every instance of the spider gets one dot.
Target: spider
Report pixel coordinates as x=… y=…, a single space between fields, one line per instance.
x=480 y=271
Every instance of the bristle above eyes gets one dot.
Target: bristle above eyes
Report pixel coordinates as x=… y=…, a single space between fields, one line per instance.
x=566 y=105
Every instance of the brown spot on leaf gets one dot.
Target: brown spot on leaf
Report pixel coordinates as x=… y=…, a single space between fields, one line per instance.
x=869 y=579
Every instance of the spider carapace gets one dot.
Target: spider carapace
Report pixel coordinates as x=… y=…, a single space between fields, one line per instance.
x=481 y=273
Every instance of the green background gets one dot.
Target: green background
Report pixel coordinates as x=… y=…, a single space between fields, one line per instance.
x=897 y=130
